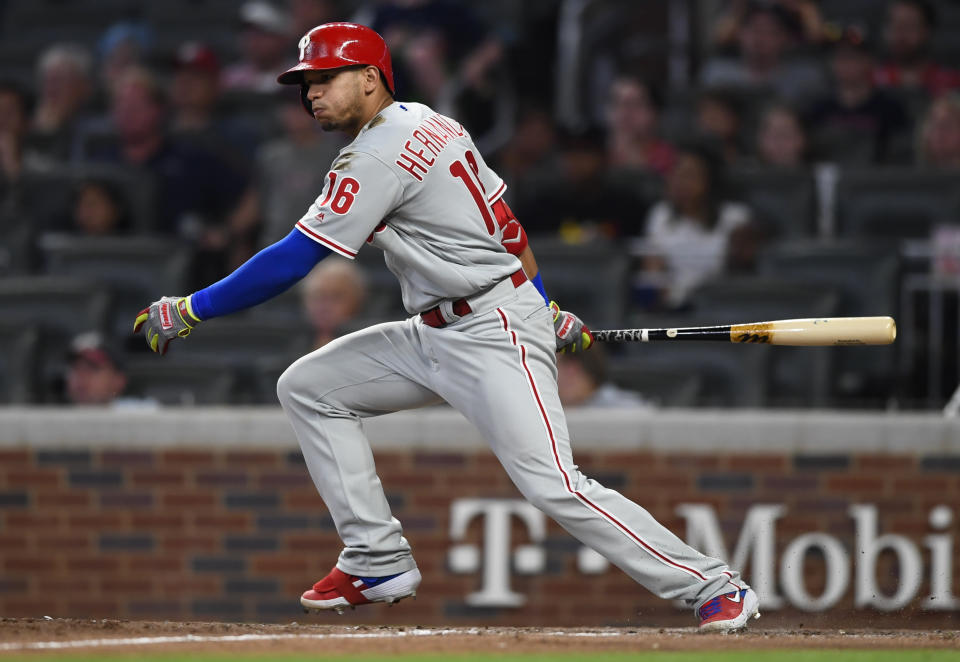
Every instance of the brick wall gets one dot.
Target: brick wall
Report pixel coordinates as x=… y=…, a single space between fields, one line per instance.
x=238 y=534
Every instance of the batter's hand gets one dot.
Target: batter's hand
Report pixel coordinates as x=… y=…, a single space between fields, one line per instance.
x=572 y=333
x=164 y=320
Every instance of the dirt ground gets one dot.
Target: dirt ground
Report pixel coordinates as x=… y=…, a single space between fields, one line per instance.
x=22 y=635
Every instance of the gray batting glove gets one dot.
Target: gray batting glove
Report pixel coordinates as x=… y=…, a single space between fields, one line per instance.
x=164 y=320
x=572 y=334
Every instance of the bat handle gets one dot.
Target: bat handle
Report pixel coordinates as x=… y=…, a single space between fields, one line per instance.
x=622 y=335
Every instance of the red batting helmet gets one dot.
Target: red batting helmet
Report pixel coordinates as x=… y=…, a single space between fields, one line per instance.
x=335 y=45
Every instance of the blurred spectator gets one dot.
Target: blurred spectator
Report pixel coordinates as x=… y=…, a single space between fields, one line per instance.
x=291 y=171
x=444 y=56
x=584 y=202
x=908 y=34
x=197 y=192
x=97 y=209
x=265 y=48
x=194 y=89
x=531 y=154
x=333 y=295
x=308 y=14
x=690 y=233
x=719 y=119
x=939 y=136
x=125 y=44
x=482 y=95
x=764 y=62
x=633 y=122
x=582 y=382
x=195 y=93
x=856 y=122
x=64 y=72
x=17 y=157
x=430 y=40
x=803 y=18
x=96 y=376
x=781 y=139
x=18 y=161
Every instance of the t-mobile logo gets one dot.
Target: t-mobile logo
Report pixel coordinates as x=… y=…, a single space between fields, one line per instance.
x=779 y=582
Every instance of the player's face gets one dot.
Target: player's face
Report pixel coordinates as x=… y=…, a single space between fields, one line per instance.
x=336 y=97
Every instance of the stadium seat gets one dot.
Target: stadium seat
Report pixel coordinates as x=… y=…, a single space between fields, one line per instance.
x=946 y=37
x=866 y=278
x=730 y=375
x=266 y=372
x=17 y=248
x=18 y=61
x=285 y=308
x=798 y=376
x=678 y=118
x=783 y=201
x=28 y=15
x=384 y=300
x=855 y=12
x=66 y=305
x=48 y=195
x=665 y=387
x=864 y=273
x=895 y=203
x=136 y=270
x=203 y=13
x=841 y=146
x=915 y=100
x=645 y=184
x=22 y=45
x=181 y=381
x=256 y=112
x=18 y=355
x=237 y=341
x=571 y=274
x=56 y=309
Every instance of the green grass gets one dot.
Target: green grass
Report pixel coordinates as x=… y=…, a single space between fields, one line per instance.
x=652 y=656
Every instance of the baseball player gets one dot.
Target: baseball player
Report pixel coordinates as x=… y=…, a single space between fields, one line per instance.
x=482 y=336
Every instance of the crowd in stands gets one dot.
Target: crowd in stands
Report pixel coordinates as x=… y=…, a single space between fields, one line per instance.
x=153 y=124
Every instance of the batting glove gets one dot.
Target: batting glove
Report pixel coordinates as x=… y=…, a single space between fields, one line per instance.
x=164 y=320
x=572 y=333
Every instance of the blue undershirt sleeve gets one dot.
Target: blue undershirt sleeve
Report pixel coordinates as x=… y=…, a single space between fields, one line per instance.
x=538 y=283
x=268 y=273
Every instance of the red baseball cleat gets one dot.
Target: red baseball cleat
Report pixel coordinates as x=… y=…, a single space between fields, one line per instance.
x=729 y=612
x=338 y=590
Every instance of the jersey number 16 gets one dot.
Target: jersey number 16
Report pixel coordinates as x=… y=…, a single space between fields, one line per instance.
x=346 y=193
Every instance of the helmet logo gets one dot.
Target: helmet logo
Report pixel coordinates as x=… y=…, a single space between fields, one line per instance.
x=304 y=42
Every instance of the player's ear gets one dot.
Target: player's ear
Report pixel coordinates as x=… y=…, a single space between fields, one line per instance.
x=371 y=78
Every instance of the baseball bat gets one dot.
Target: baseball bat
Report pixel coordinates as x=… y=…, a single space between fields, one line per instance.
x=800 y=332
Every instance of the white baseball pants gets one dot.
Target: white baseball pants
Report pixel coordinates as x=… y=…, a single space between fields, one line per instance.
x=497 y=366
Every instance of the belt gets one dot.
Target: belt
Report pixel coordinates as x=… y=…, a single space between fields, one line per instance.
x=434 y=317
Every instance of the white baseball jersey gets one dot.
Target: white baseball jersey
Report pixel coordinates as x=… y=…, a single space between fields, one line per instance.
x=413 y=184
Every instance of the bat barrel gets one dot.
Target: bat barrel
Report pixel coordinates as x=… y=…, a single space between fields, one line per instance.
x=819 y=331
